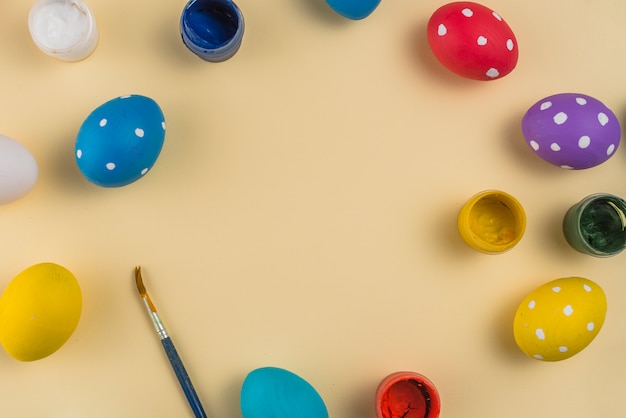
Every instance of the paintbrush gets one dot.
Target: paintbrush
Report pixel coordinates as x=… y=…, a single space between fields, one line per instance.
x=170 y=350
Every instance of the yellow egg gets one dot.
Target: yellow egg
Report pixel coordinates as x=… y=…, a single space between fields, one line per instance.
x=560 y=318
x=39 y=311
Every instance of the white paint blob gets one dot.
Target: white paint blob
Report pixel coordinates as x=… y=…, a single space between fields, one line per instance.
x=534 y=145
x=545 y=105
x=492 y=73
x=584 y=141
x=560 y=118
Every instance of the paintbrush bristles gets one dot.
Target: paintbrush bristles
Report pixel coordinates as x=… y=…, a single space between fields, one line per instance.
x=142 y=289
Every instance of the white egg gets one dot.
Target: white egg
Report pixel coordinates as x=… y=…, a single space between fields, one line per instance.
x=18 y=170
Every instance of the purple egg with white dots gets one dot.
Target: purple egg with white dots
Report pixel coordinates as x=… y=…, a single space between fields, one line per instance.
x=120 y=141
x=572 y=131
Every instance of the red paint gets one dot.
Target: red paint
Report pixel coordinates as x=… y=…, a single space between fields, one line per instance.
x=407 y=395
x=472 y=40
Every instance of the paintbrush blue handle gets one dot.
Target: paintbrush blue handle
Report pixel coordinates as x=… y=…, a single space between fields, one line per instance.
x=183 y=378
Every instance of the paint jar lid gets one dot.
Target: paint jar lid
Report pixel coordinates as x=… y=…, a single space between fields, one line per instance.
x=597 y=225
x=212 y=29
x=492 y=222
x=407 y=394
x=64 y=29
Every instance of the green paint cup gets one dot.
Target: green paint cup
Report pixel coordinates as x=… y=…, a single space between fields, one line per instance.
x=597 y=225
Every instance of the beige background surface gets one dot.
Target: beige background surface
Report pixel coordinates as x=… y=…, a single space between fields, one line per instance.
x=302 y=213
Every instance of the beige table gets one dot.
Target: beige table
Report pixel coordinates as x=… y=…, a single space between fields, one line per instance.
x=302 y=213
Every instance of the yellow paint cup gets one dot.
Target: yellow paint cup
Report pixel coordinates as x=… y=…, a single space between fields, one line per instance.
x=492 y=222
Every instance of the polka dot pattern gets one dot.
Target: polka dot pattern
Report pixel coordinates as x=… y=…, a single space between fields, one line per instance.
x=492 y=73
x=584 y=141
x=472 y=40
x=540 y=334
x=120 y=141
x=560 y=318
x=560 y=118
x=571 y=131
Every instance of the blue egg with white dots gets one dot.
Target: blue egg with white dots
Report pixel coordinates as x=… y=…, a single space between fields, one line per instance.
x=120 y=141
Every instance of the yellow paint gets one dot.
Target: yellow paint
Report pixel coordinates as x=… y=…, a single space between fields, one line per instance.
x=492 y=222
x=39 y=311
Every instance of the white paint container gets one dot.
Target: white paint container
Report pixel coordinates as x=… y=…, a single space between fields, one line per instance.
x=64 y=29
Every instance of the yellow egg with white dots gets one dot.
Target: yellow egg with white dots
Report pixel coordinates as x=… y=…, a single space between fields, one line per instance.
x=560 y=318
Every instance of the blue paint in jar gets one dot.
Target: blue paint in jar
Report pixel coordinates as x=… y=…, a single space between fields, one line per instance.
x=212 y=29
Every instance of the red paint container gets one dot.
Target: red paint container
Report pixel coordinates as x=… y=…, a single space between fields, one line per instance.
x=407 y=395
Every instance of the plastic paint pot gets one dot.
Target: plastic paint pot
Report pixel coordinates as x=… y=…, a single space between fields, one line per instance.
x=597 y=225
x=64 y=29
x=407 y=394
x=212 y=29
x=492 y=222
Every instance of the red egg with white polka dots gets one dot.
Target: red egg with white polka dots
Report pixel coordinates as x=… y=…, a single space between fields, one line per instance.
x=472 y=40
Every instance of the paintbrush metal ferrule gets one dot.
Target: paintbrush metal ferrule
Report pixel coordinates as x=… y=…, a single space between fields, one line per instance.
x=156 y=320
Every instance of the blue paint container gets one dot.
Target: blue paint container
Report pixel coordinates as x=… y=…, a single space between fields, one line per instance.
x=212 y=29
